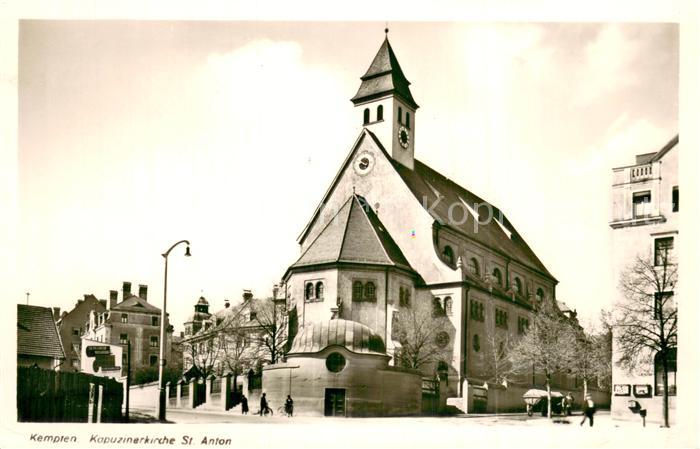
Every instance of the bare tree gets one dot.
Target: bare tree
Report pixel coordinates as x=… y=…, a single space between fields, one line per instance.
x=497 y=364
x=421 y=329
x=235 y=337
x=587 y=361
x=202 y=351
x=546 y=346
x=646 y=316
x=271 y=317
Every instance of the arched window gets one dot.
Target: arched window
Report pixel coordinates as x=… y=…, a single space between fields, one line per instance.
x=366 y=116
x=400 y=114
x=380 y=112
x=370 y=291
x=309 y=292
x=357 y=291
x=437 y=307
x=448 y=305
x=408 y=120
x=319 y=291
x=518 y=286
x=474 y=267
x=448 y=256
x=659 y=373
x=497 y=278
x=539 y=295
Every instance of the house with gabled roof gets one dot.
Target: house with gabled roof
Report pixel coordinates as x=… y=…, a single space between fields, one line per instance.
x=134 y=320
x=391 y=232
x=38 y=342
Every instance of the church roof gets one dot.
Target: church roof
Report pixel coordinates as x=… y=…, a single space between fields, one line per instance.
x=353 y=336
x=384 y=76
x=356 y=235
x=36 y=332
x=497 y=233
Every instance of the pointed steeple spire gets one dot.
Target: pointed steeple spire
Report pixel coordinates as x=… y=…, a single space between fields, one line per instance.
x=384 y=76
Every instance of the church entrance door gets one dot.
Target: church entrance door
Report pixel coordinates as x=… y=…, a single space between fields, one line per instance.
x=335 y=402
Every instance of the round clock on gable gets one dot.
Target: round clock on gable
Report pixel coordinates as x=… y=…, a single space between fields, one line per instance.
x=404 y=137
x=364 y=163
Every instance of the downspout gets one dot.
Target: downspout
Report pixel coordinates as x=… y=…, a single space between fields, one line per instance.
x=465 y=338
x=386 y=305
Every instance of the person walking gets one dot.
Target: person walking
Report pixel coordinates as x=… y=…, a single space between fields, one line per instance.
x=588 y=410
x=569 y=404
x=264 y=407
x=244 y=405
x=289 y=406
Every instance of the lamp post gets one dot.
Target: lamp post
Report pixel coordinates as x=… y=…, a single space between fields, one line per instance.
x=161 y=384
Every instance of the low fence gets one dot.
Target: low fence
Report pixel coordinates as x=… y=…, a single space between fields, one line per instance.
x=57 y=396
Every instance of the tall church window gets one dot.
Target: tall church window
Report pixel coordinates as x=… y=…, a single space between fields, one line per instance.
x=448 y=256
x=404 y=296
x=365 y=119
x=674 y=199
x=357 y=291
x=400 y=117
x=659 y=373
x=448 y=305
x=539 y=295
x=380 y=112
x=437 y=307
x=497 y=277
x=518 y=286
x=408 y=120
x=474 y=266
x=319 y=291
x=309 y=292
x=370 y=291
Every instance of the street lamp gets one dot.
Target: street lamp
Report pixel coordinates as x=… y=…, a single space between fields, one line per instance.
x=161 y=385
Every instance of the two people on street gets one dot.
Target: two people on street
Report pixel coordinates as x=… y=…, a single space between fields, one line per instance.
x=588 y=410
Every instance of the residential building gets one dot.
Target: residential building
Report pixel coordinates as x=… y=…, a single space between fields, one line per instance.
x=645 y=210
x=133 y=320
x=71 y=326
x=38 y=342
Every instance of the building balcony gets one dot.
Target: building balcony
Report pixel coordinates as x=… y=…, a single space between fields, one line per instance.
x=641 y=173
x=637 y=221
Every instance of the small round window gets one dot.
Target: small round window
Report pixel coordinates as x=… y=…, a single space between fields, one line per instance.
x=442 y=339
x=335 y=362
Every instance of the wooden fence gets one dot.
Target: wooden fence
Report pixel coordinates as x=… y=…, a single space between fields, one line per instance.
x=56 y=396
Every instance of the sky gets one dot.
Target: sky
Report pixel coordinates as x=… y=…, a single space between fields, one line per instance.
x=134 y=135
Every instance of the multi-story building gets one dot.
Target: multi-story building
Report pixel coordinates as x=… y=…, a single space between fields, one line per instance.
x=38 y=343
x=133 y=320
x=434 y=242
x=645 y=210
x=71 y=326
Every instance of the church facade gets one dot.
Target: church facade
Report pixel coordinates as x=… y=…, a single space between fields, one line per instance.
x=391 y=233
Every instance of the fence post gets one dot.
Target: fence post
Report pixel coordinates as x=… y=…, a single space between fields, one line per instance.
x=178 y=393
x=167 y=394
x=225 y=391
x=193 y=391
x=209 y=383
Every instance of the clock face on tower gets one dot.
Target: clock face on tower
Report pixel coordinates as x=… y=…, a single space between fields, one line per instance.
x=364 y=163
x=404 y=138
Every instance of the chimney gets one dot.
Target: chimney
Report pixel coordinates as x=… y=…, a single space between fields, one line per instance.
x=126 y=290
x=143 y=292
x=113 y=294
x=56 y=313
x=226 y=303
x=275 y=291
x=247 y=295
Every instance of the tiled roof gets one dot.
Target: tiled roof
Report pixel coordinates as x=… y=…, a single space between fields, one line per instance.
x=136 y=304
x=384 y=76
x=354 y=235
x=426 y=184
x=36 y=332
x=353 y=336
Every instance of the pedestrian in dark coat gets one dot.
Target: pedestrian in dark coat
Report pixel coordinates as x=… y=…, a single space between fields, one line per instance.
x=244 y=405
x=289 y=406
x=264 y=408
x=588 y=410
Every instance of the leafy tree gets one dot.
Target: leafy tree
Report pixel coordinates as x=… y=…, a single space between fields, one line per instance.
x=546 y=346
x=420 y=329
x=645 y=318
x=271 y=318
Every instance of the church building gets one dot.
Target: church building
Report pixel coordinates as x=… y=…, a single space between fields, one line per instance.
x=391 y=233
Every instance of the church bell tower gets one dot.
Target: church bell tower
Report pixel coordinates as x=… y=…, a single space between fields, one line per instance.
x=386 y=107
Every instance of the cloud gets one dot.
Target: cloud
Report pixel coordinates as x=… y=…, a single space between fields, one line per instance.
x=606 y=64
